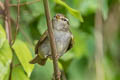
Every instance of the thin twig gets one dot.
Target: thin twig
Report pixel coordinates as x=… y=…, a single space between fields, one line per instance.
x=7 y=21
x=2 y=5
x=22 y=31
x=11 y=67
x=26 y=3
x=17 y=23
x=52 y=40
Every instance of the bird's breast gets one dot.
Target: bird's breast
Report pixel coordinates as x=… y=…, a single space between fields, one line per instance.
x=61 y=36
x=62 y=40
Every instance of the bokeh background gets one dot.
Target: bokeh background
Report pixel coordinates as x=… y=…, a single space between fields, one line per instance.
x=96 y=51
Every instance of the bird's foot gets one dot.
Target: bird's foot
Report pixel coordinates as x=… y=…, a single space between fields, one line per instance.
x=57 y=56
x=58 y=76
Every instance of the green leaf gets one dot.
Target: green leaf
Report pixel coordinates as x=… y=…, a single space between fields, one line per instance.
x=41 y=23
x=18 y=74
x=74 y=12
x=2 y=36
x=43 y=72
x=78 y=70
x=24 y=55
x=5 y=60
x=37 y=7
x=66 y=60
x=72 y=20
x=87 y=6
x=80 y=45
x=109 y=69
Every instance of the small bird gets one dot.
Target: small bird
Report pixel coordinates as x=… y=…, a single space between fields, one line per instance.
x=63 y=38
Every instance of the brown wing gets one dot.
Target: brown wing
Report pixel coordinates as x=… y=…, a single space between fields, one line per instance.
x=43 y=37
x=71 y=43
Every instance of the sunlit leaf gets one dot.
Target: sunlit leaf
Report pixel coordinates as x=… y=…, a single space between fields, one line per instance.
x=24 y=56
x=74 y=12
x=18 y=74
x=2 y=36
x=5 y=60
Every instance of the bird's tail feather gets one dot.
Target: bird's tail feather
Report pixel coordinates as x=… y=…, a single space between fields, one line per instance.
x=38 y=60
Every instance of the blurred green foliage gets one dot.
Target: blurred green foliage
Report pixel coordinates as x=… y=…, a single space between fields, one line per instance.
x=5 y=56
x=24 y=56
x=78 y=63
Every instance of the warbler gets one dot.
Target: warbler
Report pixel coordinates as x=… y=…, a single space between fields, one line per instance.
x=63 y=39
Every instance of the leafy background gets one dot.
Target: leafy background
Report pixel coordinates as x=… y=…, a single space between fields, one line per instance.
x=79 y=62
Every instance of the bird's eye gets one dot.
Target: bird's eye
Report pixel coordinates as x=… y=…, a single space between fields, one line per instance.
x=64 y=19
x=54 y=16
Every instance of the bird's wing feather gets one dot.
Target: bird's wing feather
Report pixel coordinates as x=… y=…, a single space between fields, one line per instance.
x=71 y=43
x=43 y=37
x=38 y=60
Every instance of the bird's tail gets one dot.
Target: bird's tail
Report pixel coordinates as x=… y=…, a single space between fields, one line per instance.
x=38 y=60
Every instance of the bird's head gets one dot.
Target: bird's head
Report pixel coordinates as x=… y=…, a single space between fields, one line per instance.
x=60 y=22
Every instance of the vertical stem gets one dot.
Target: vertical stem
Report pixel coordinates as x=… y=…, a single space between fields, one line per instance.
x=99 y=43
x=52 y=40
x=7 y=21
x=18 y=15
x=8 y=28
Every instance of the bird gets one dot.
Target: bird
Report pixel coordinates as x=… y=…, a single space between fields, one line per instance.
x=63 y=39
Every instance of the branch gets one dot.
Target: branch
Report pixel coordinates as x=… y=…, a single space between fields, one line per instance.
x=52 y=40
x=112 y=24
x=8 y=28
x=112 y=30
x=26 y=3
x=22 y=31
x=99 y=53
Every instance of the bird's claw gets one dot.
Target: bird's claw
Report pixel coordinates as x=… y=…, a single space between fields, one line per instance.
x=57 y=56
